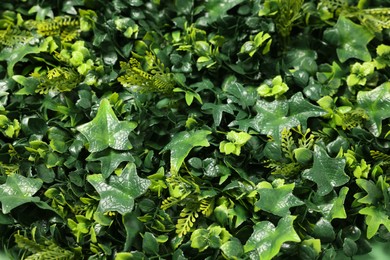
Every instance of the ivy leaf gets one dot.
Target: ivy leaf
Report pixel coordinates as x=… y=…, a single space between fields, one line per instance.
x=327 y=172
x=217 y=111
x=277 y=200
x=331 y=206
x=18 y=190
x=119 y=192
x=347 y=46
x=274 y=116
x=181 y=145
x=266 y=239
x=375 y=217
x=217 y=9
x=376 y=104
x=110 y=160
x=105 y=130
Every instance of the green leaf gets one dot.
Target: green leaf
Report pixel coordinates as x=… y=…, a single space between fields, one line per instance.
x=266 y=239
x=217 y=111
x=181 y=145
x=376 y=104
x=323 y=230
x=273 y=117
x=326 y=172
x=279 y=200
x=232 y=249
x=347 y=46
x=374 y=194
x=331 y=206
x=375 y=217
x=119 y=192
x=216 y=9
x=149 y=244
x=105 y=130
x=18 y=190
x=110 y=160
x=15 y=55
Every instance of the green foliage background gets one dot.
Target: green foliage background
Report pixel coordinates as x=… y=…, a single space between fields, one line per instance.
x=188 y=129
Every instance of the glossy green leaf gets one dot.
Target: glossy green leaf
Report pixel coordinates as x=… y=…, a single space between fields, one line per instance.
x=110 y=160
x=273 y=117
x=15 y=55
x=105 y=130
x=347 y=46
x=233 y=249
x=331 y=206
x=217 y=111
x=374 y=193
x=376 y=104
x=118 y=192
x=278 y=200
x=266 y=239
x=323 y=230
x=18 y=190
x=216 y=9
x=326 y=172
x=181 y=145
x=374 y=218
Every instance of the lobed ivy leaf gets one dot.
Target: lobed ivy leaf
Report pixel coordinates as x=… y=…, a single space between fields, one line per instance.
x=375 y=217
x=18 y=190
x=273 y=117
x=118 y=192
x=216 y=9
x=105 y=130
x=376 y=103
x=217 y=111
x=279 y=200
x=110 y=160
x=331 y=206
x=350 y=38
x=266 y=239
x=181 y=145
x=326 y=172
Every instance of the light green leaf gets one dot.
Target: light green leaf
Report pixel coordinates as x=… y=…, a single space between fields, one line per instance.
x=110 y=160
x=326 y=172
x=118 y=192
x=181 y=145
x=277 y=200
x=347 y=46
x=232 y=249
x=376 y=103
x=105 y=130
x=266 y=239
x=18 y=190
x=374 y=193
x=375 y=217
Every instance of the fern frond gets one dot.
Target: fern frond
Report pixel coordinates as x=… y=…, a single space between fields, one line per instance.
x=207 y=206
x=186 y=222
x=27 y=244
x=288 y=144
x=59 y=79
x=152 y=79
x=66 y=27
x=12 y=36
x=379 y=156
x=169 y=202
x=284 y=169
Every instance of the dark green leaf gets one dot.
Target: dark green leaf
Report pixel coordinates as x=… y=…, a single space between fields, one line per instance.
x=326 y=172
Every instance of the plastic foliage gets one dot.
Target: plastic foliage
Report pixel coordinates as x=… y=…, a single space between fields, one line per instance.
x=194 y=129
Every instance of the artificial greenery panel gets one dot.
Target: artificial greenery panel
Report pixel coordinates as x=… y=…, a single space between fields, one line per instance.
x=186 y=129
